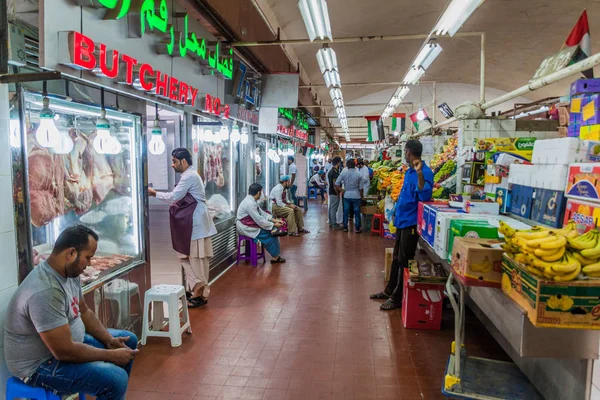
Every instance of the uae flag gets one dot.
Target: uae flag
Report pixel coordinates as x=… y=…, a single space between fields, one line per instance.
x=372 y=123
x=580 y=35
x=398 y=118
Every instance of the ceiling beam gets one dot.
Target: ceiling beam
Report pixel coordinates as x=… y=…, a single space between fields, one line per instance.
x=356 y=39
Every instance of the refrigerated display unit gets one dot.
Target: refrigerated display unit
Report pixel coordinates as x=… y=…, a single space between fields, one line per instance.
x=216 y=164
x=89 y=171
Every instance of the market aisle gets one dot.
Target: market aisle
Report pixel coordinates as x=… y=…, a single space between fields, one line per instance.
x=304 y=330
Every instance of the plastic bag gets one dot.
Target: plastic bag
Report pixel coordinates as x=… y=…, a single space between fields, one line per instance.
x=392 y=227
x=469 y=110
x=390 y=208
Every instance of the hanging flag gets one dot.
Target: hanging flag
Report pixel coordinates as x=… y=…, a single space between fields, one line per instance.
x=580 y=35
x=372 y=123
x=418 y=117
x=395 y=118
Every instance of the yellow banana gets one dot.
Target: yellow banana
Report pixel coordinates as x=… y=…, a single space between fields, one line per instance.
x=593 y=252
x=593 y=275
x=562 y=269
x=566 y=303
x=569 y=277
x=532 y=234
x=592 y=268
x=583 y=260
x=560 y=241
x=507 y=230
x=587 y=241
x=553 y=257
x=538 y=242
x=521 y=259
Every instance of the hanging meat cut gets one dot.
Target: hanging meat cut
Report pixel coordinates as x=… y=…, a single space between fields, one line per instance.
x=120 y=170
x=46 y=184
x=78 y=187
x=213 y=164
x=97 y=169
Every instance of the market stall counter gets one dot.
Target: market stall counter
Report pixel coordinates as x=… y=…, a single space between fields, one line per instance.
x=83 y=170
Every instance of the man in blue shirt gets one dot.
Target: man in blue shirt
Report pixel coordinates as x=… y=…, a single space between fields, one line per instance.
x=418 y=186
x=353 y=183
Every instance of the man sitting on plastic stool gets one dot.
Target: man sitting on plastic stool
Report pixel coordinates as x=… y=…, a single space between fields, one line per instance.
x=53 y=340
x=284 y=209
x=317 y=182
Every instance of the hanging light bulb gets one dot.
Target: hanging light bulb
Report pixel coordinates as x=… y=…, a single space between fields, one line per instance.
x=102 y=142
x=224 y=133
x=65 y=144
x=235 y=134
x=244 y=138
x=115 y=145
x=47 y=135
x=420 y=114
x=206 y=135
x=156 y=145
x=216 y=138
x=290 y=152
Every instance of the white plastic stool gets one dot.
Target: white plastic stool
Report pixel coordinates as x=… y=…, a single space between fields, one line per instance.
x=118 y=294
x=170 y=294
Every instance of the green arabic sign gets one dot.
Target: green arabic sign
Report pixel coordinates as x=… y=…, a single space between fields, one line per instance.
x=155 y=20
x=297 y=117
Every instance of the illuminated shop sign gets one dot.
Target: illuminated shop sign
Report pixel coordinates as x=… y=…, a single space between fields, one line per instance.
x=297 y=117
x=292 y=131
x=244 y=89
x=83 y=55
x=184 y=44
x=213 y=105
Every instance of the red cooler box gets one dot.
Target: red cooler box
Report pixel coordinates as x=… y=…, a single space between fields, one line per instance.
x=422 y=304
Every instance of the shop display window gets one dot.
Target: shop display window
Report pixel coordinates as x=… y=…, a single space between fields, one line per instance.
x=84 y=172
x=215 y=164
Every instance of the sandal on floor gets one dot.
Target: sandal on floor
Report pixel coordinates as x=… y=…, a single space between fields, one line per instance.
x=303 y=231
x=379 y=296
x=278 y=233
x=196 y=302
x=294 y=234
x=188 y=295
x=389 y=305
x=278 y=260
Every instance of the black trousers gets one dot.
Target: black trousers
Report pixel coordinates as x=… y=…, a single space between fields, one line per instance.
x=404 y=250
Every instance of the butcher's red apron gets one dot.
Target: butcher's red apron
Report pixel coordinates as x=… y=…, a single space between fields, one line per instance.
x=182 y=223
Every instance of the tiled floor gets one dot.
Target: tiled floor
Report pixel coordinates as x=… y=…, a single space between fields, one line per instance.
x=303 y=330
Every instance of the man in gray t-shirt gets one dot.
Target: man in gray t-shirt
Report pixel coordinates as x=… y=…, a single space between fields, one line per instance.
x=45 y=339
x=352 y=191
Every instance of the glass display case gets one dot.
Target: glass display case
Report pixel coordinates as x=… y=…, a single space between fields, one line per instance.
x=78 y=168
x=214 y=160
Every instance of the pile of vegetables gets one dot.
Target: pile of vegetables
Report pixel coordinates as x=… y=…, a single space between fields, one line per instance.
x=448 y=153
x=445 y=171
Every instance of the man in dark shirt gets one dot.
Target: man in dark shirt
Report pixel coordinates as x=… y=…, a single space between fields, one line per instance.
x=417 y=187
x=334 y=194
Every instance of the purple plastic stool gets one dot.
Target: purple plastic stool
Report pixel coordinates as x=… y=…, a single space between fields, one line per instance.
x=251 y=252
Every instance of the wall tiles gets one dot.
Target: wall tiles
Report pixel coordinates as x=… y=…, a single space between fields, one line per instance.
x=8 y=260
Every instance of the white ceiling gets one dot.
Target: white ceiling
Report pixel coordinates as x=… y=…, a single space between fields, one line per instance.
x=519 y=35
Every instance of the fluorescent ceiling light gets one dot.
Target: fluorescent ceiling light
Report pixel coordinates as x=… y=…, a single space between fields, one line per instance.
x=455 y=16
x=335 y=93
x=427 y=55
x=332 y=78
x=327 y=59
x=413 y=75
x=338 y=103
x=316 y=19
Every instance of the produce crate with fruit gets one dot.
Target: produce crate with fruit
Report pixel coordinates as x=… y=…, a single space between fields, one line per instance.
x=554 y=275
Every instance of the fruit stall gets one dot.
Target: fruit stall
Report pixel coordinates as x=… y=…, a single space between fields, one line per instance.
x=518 y=233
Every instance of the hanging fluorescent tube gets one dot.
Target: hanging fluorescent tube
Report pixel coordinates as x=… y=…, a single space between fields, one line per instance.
x=332 y=78
x=428 y=54
x=327 y=59
x=413 y=76
x=316 y=19
x=455 y=16
x=335 y=93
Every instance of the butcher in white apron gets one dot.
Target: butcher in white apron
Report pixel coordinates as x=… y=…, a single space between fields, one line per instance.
x=191 y=226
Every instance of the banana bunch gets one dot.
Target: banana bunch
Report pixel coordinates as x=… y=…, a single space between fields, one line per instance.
x=586 y=249
x=485 y=266
x=544 y=251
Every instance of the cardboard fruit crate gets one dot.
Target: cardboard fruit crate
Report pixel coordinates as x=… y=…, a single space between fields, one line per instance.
x=549 y=304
